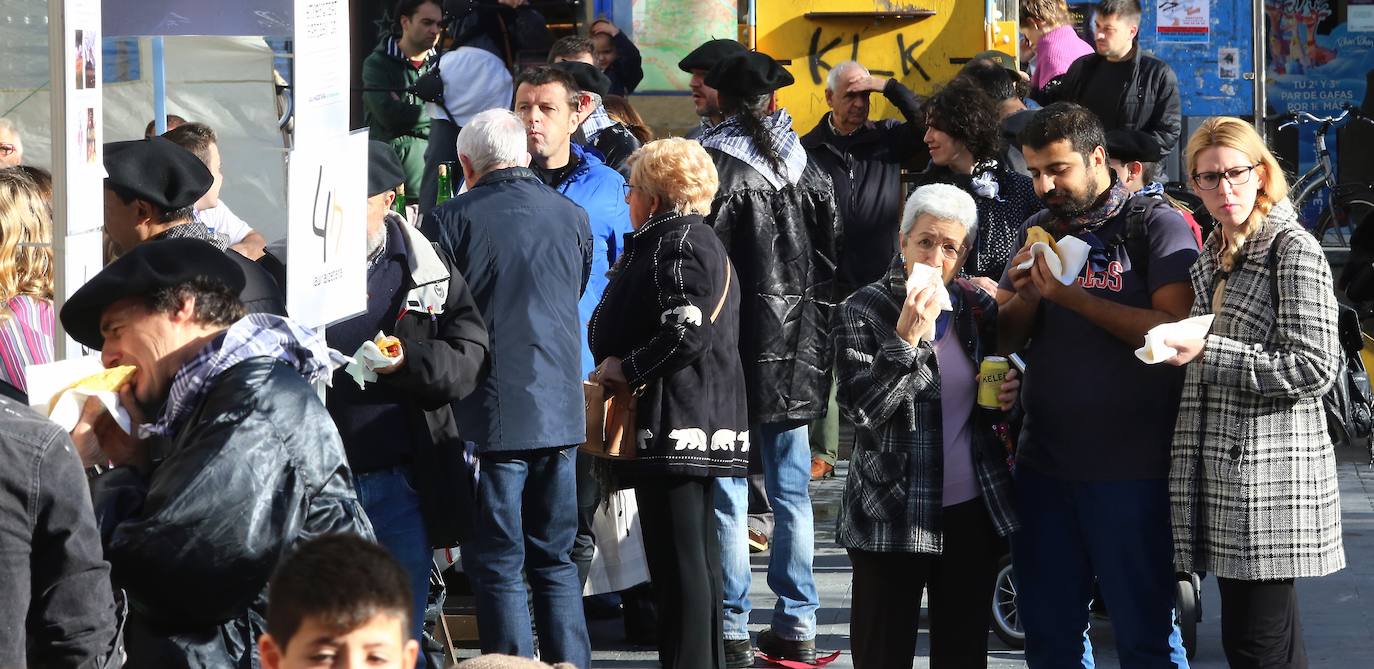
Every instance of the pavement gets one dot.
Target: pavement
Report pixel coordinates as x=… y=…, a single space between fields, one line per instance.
x=1337 y=610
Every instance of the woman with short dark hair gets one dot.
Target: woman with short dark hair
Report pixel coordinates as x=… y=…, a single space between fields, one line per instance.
x=964 y=138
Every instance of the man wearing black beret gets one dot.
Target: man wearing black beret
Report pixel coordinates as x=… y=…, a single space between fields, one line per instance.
x=397 y=429
x=775 y=211
x=704 y=98
x=150 y=193
x=239 y=460
x=598 y=130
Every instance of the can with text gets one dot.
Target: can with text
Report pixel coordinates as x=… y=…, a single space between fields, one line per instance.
x=991 y=374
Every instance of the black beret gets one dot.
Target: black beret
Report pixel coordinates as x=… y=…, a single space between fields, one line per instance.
x=157 y=170
x=145 y=268
x=748 y=74
x=1129 y=145
x=589 y=78
x=384 y=171
x=707 y=55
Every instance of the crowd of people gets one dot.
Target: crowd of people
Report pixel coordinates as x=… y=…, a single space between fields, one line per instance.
x=747 y=285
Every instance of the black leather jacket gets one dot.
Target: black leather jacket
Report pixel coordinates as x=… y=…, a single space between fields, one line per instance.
x=1150 y=101
x=783 y=244
x=257 y=469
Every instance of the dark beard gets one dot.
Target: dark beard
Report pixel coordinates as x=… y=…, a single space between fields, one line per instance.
x=1073 y=205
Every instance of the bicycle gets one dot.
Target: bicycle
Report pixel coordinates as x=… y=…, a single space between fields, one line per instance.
x=1334 y=223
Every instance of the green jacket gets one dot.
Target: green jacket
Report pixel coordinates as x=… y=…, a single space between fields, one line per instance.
x=388 y=110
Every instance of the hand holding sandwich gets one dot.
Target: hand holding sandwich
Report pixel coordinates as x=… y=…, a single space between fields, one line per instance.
x=1048 y=286
x=99 y=439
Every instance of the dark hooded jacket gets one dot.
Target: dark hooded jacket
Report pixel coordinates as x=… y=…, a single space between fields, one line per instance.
x=783 y=243
x=1149 y=100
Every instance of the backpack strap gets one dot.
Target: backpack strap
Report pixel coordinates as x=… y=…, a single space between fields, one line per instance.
x=1135 y=235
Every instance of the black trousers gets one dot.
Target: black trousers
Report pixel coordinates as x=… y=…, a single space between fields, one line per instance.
x=678 y=518
x=1260 y=626
x=886 y=609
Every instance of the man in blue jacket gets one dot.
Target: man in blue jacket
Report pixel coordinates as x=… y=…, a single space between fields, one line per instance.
x=552 y=105
x=526 y=252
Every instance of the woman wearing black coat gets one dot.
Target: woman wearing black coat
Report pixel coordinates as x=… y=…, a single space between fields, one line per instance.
x=668 y=328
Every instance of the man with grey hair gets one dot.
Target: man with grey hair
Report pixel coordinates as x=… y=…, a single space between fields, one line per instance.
x=864 y=160
x=11 y=144
x=526 y=252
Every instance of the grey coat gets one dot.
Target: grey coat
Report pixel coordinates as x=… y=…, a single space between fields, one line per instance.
x=1265 y=505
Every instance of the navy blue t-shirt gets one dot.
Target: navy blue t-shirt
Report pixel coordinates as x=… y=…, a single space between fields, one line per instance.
x=1094 y=411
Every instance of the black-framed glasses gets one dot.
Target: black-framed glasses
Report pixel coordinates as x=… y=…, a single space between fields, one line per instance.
x=628 y=187
x=1235 y=176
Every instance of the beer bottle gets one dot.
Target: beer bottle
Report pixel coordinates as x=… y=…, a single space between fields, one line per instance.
x=445 y=185
x=400 y=204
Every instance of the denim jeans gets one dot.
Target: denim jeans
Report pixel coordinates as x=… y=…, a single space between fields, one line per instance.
x=1115 y=531
x=525 y=520
x=786 y=455
x=393 y=506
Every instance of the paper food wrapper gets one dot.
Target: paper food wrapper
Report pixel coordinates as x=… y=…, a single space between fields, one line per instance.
x=1067 y=264
x=1154 y=351
x=921 y=275
x=367 y=359
x=47 y=379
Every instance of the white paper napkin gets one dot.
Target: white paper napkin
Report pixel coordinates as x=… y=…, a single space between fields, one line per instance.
x=1154 y=351
x=1067 y=264
x=921 y=275
x=46 y=380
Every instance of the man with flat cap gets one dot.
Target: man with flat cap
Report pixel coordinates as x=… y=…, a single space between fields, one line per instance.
x=238 y=463
x=775 y=211
x=1134 y=156
x=598 y=130
x=151 y=188
x=705 y=100
x=398 y=431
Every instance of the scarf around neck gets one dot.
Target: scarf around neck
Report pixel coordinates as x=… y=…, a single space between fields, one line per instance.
x=731 y=138
x=1107 y=206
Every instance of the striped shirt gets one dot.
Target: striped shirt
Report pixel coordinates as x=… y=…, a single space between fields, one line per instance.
x=26 y=334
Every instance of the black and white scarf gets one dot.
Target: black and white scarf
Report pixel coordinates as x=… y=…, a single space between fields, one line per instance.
x=731 y=138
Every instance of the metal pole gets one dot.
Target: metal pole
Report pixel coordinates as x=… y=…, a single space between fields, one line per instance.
x=159 y=88
x=1260 y=66
x=57 y=68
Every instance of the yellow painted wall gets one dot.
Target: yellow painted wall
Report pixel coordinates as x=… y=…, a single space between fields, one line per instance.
x=917 y=53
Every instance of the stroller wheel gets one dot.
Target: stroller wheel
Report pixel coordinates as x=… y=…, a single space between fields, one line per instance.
x=1006 y=620
x=1187 y=610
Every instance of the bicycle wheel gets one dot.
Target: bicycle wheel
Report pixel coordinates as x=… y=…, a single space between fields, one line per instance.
x=1006 y=620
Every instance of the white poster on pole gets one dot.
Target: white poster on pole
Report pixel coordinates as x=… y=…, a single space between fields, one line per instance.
x=84 y=155
x=326 y=241
x=321 y=59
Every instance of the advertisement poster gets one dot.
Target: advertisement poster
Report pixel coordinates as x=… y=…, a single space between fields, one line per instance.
x=321 y=77
x=1183 y=20
x=82 y=113
x=1360 y=16
x=326 y=239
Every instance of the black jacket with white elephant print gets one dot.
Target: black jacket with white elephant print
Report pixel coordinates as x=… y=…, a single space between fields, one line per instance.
x=656 y=316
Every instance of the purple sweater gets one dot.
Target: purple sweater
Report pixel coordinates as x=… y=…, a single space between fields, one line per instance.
x=1055 y=52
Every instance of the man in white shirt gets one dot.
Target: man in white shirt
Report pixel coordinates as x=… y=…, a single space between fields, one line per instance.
x=200 y=139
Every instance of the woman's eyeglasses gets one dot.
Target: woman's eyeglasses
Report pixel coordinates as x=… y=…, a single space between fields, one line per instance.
x=949 y=250
x=1235 y=176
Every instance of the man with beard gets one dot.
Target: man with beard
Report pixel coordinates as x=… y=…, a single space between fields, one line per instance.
x=705 y=100
x=1092 y=465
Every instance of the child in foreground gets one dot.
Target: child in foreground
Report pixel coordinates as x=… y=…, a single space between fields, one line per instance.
x=338 y=601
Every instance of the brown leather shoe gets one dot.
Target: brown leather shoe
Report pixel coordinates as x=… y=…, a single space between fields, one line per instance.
x=758 y=541
x=820 y=469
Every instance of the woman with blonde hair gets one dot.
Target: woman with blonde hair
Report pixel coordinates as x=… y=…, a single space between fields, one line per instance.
x=1253 y=477
x=26 y=277
x=668 y=329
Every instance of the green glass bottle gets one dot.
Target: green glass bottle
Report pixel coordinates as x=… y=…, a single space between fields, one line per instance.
x=445 y=185
x=400 y=204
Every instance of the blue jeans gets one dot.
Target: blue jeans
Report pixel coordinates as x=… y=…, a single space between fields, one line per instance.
x=525 y=520
x=1116 y=531
x=393 y=506
x=786 y=454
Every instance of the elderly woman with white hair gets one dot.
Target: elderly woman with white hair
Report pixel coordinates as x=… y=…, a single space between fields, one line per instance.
x=667 y=328
x=928 y=499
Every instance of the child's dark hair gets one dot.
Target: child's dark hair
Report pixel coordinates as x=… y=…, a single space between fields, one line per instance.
x=341 y=581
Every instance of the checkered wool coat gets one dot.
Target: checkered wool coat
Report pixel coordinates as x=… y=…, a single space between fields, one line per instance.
x=1260 y=502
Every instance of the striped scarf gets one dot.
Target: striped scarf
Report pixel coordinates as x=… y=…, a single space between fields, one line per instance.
x=731 y=138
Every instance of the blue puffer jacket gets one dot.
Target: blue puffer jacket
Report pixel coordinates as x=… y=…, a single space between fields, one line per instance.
x=599 y=190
